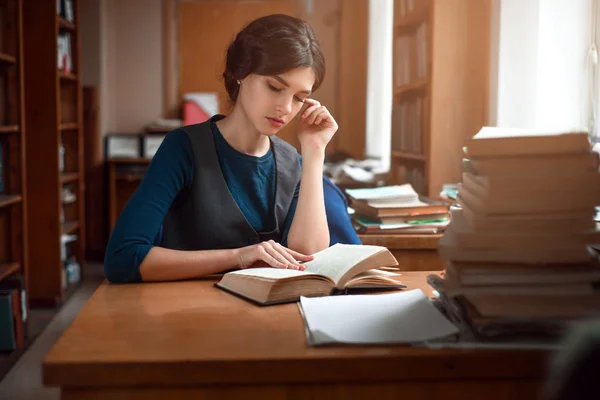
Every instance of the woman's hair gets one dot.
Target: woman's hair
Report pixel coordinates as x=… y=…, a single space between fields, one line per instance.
x=272 y=45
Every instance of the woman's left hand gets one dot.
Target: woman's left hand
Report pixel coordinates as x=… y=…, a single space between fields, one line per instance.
x=317 y=127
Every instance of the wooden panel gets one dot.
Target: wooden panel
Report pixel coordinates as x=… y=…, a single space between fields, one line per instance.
x=191 y=333
x=95 y=185
x=489 y=390
x=460 y=82
x=42 y=113
x=5 y=236
x=352 y=73
x=205 y=30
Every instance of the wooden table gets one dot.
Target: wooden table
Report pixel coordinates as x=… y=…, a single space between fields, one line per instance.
x=191 y=340
x=413 y=252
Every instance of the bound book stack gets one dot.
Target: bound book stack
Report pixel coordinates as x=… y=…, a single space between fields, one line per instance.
x=517 y=251
x=398 y=210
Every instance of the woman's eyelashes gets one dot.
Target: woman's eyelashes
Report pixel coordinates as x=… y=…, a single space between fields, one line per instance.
x=277 y=90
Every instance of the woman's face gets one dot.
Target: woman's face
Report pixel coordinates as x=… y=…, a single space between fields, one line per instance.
x=271 y=102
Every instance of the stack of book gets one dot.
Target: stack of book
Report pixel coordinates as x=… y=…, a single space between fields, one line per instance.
x=397 y=210
x=518 y=252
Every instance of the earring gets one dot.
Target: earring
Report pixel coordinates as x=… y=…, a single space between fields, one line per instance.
x=238 y=82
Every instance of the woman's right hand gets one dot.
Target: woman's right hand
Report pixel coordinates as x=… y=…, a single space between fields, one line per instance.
x=270 y=254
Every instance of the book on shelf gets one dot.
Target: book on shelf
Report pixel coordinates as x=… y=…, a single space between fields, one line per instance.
x=338 y=269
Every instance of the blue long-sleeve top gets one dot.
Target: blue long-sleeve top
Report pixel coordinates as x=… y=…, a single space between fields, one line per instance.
x=251 y=180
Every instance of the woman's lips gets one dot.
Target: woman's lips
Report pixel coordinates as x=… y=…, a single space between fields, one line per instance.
x=276 y=122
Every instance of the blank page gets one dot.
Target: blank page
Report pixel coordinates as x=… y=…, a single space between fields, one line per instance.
x=403 y=317
x=334 y=261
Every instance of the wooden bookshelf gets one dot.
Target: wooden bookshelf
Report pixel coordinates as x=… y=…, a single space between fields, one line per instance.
x=13 y=176
x=124 y=176
x=54 y=118
x=441 y=79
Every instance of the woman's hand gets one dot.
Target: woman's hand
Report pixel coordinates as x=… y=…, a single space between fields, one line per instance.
x=270 y=254
x=317 y=127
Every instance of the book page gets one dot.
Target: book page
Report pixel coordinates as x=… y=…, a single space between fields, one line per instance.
x=334 y=261
x=271 y=273
x=383 y=192
x=404 y=317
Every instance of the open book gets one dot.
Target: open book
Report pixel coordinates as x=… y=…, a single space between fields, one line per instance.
x=333 y=270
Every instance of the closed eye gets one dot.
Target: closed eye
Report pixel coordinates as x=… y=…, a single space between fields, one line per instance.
x=273 y=88
x=277 y=90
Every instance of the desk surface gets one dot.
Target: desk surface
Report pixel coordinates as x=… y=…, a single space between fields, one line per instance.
x=190 y=333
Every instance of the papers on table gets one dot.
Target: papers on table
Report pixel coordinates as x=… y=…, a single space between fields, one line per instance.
x=402 y=317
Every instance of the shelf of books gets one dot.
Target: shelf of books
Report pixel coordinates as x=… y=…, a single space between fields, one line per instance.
x=14 y=269
x=53 y=114
x=440 y=78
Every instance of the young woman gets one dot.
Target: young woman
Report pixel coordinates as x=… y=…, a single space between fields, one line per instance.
x=227 y=193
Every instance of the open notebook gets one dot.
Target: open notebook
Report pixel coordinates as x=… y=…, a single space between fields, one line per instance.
x=336 y=269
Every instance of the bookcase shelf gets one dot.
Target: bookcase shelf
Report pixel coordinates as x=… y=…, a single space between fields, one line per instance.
x=66 y=25
x=8 y=269
x=401 y=91
x=441 y=79
x=69 y=177
x=408 y=156
x=9 y=129
x=70 y=227
x=7 y=58
x=67 y=76
x=54 y=115
x=9 y=200
x=68 y=126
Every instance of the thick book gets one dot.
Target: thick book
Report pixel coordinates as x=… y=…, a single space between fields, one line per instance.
x=384 y=195
x=492 y=141
x=450 y=250
x=486 y=274
x=566 y=222
x=337 y=269
x=478 y=199
x=469 y=238
x=424 y=207
x=534 y=165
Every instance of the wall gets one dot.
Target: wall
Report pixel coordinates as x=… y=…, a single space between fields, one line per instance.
x=541 y=64
x=122 y=55
x=89 y=13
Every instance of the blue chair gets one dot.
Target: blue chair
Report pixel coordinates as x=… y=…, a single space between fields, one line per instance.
x=338 y=220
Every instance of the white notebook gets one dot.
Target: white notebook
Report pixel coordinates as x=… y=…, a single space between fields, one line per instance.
x=402 y=317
